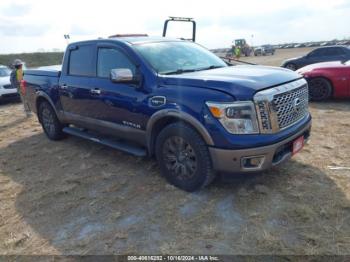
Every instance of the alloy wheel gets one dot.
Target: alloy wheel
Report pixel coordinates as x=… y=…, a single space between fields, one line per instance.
x=180 y=158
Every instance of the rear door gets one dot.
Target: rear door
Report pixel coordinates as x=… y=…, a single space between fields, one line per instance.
x=76 y=83
x=335 y=54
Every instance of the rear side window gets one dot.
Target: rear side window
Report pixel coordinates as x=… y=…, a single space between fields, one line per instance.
x=110 y=58
x=334 y=51
x=81 y=61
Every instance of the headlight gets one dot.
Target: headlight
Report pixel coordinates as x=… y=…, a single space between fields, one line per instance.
x=237 y=117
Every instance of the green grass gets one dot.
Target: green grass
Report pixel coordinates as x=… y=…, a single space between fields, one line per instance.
x=33 y=59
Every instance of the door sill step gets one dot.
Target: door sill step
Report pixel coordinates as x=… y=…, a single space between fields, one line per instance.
x=116 y=144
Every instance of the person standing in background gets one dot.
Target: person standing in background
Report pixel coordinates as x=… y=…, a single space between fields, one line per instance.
x=238 y=52
x=16 y=77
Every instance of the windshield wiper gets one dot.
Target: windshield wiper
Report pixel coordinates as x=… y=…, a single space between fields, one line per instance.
x=180 y=71
x=209 y=67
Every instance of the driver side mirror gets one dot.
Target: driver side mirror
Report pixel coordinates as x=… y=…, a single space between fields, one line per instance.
x=123 y=75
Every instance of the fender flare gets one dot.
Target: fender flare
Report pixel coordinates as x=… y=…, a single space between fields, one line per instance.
x=41 y=94
x=161 y=114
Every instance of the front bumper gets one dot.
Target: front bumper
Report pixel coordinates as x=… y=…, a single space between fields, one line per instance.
x=8 y=93
x=230 y=161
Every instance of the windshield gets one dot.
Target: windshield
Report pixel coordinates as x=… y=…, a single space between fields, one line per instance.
x=178 y=57
x=4 y=71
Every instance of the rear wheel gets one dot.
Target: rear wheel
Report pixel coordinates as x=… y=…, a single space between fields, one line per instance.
x=183 y=157
x=320 y=89
x=49 y=121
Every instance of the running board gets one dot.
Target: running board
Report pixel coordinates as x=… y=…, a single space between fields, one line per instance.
x=122 y=146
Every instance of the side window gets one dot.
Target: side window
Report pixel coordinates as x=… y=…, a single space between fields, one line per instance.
x=110 y=58
x=317 y=52
x=335 y=51
x=341 y=51
x=81 y=61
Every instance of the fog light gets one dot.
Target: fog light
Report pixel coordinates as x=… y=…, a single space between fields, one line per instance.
x=252 y=162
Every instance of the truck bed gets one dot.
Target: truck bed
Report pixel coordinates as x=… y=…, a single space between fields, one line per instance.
x=51 y=71
x=41 y=80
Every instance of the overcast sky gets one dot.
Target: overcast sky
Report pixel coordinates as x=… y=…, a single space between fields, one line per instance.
x=27 y=26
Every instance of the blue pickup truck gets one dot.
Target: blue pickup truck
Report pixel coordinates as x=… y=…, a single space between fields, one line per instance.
x=174 y=100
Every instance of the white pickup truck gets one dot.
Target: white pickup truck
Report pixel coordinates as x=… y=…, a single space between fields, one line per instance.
x=6 y=90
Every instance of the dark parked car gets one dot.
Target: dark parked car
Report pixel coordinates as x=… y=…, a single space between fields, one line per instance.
x=322 y=54
x=264 y=50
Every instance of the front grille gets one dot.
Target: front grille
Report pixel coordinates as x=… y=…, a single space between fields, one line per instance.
x=291 y=106
x=281 y=106
x=7 y=86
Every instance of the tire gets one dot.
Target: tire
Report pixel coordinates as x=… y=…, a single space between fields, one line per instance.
x=183 y=157
x=49 y=121
x=291 y=66
x=320 y=89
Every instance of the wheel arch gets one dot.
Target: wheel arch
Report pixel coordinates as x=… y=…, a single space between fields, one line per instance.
x=43 y=97
x=291 y=63
x=165 y=117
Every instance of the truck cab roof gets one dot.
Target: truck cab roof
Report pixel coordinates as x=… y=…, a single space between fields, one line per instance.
x=133 y=40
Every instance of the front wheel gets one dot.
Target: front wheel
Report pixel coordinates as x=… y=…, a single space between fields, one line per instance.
x=183 y=157
x=320 y=89
x=291 y=66
x=49 y=121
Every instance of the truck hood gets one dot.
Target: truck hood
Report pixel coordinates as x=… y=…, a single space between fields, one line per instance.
x=241 y=81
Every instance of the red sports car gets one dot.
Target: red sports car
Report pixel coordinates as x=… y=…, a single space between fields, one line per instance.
x=326 y=80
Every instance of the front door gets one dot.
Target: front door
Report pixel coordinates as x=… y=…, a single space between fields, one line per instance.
x=347 y=76
x=117 y=104
x=316 y=56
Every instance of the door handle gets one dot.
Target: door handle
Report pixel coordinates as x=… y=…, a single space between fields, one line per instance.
x=95 y=91
x=64 y=87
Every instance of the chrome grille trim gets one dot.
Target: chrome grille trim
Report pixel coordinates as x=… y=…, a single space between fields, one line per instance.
x=281 y=106
x=287 y=111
